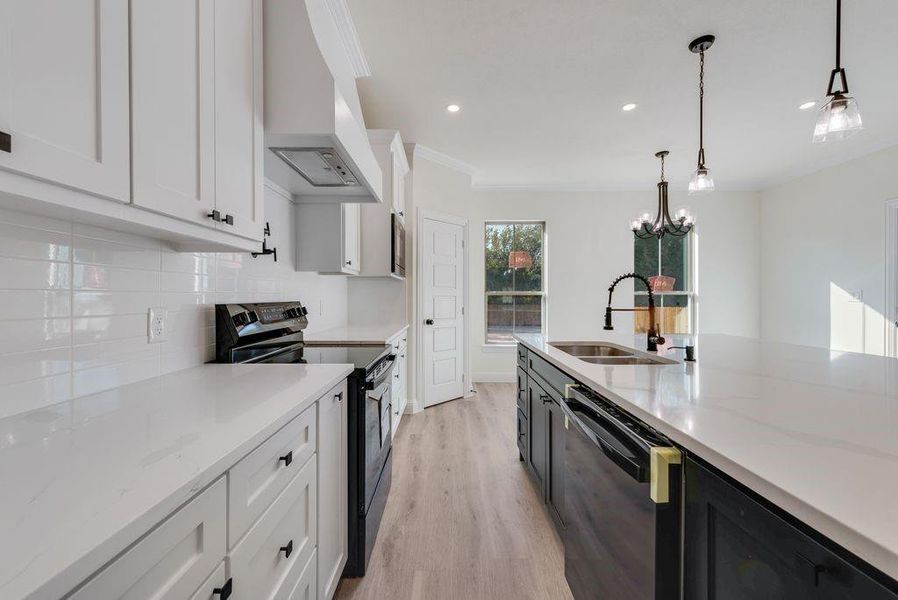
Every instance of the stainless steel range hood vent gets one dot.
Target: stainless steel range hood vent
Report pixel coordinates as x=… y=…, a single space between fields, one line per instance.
x=322 y=167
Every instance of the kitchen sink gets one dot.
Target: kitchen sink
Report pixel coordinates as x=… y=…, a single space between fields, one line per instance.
x=592 y=350
x=627 y=360
x=609 y=354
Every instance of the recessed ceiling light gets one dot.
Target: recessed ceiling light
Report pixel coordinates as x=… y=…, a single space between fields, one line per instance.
x=453 y=108
x=628 y=107
x=807 y=105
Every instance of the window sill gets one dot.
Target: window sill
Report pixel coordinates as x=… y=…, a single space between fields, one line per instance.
x=498 y=348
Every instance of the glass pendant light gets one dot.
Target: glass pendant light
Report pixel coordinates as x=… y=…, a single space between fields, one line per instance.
x=644 y=227
x=839 y=117
x=701 y=182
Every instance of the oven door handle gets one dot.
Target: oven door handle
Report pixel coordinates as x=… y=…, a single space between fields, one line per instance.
x=377 y=395
x=614 y=447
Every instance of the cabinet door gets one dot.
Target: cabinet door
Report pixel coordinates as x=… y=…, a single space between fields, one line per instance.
x=64 y=92
x=333 y=495
x=173 y=107
x=351 y=240
x=736 y=548
x=239 y=174
x=522 y=434
x=555 y=476
x=537 y=416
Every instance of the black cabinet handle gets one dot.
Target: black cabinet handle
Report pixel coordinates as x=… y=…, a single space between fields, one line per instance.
x=5 y=142
x=224 y=592
x=428 y=322
x=401 y=213
x=288 y=549
x=545 y=398
x=339 y=397
x=229 y=219
x=215 y=216
x=287 y=458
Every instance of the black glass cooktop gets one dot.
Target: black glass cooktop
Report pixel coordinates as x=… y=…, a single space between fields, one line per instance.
x=363 y=357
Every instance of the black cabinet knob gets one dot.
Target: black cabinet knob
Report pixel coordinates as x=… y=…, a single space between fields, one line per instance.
x=428 y=322
x=545 y=398
x=287 y=459
x=229 y=219
x=288 y=549
x=349 y=262
x=224 y=592
x=215 y=216
x=339 y=397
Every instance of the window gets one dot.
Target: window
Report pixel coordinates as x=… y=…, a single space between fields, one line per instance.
x=515 y=280
x=670 y=257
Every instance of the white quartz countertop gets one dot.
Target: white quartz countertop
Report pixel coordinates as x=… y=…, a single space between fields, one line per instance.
x=812 y=430
x=357 y=334
x=82 y=480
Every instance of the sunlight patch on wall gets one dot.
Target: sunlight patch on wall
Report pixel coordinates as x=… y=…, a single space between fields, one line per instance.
x=854 y=326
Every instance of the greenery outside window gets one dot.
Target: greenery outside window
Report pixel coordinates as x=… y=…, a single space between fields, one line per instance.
x=670 y=257
x=515 y=299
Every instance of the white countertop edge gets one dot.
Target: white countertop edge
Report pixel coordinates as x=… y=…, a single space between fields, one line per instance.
x=361 y=335
x=72 y=575
x=877 y=555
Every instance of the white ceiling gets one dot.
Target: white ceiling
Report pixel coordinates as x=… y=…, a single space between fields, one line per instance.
x=541 y=84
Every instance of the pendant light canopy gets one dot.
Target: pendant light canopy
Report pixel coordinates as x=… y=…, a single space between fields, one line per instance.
x=701 y=182
x=839 y=118
x=644 y=227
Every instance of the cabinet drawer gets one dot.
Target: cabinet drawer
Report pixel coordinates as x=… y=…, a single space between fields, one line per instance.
x=556 y=378
x=307 y=584
x=522 y=434
x=522 y=356
x=522 y=390
x=216 y=580
x=173 y=560
x=256 y=480
x=270 y=559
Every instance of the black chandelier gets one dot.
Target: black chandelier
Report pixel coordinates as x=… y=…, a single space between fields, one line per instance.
x=645 y=228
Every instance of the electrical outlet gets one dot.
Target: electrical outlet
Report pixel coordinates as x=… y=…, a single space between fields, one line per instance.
x=157 y=330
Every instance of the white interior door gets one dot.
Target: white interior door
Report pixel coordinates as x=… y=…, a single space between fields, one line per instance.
x=443 y=283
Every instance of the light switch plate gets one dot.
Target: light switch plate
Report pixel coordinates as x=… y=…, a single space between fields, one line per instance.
x=157 y=328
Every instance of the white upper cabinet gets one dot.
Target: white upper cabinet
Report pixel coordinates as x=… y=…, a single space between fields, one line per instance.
x=197 y=111
x=173 y=107
x=377 y=219
x=64 y=92
x=239 y=172
x=328 y=238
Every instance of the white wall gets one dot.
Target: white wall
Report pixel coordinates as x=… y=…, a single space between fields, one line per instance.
x=73 y=303
x=589 y=244
x=823 y=238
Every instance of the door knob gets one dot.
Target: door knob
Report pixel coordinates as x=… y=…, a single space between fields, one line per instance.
x=428 y=322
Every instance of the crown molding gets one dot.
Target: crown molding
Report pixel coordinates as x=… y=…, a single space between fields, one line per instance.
x=421 y=151
x=349 y=36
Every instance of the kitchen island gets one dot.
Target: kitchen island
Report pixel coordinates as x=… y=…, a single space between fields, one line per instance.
x=807 y=430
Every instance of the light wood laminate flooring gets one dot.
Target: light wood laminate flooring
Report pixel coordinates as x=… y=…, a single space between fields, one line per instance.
x=464 y=520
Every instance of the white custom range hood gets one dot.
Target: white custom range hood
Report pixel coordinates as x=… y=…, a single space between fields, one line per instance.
x=317 y=144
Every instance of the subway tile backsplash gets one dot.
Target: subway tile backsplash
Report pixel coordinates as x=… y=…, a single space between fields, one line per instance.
x=74 y=301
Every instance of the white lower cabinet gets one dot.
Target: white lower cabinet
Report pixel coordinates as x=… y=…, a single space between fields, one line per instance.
x=285 y=507
x=332 y=491
x=173 y=560
x=399 y=389
x=267 y=563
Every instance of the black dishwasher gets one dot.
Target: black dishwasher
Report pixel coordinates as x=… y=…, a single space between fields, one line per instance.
x=623 y=504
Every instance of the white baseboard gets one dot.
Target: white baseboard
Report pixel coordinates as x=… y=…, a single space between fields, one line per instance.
x=494 y=377
x=412 y=407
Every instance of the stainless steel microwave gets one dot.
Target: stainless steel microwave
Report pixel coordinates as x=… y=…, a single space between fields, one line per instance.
x=397 y=264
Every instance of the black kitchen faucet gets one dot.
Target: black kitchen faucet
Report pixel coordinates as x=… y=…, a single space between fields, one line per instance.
x=653 y=337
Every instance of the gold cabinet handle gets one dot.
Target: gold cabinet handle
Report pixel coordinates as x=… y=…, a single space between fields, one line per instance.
x=659 y=462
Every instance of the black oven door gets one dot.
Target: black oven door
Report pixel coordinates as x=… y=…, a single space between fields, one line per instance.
x=378 y=431
x=398 y=248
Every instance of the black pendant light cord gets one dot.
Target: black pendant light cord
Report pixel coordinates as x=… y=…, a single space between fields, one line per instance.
x=838 y=71
x=701 y=110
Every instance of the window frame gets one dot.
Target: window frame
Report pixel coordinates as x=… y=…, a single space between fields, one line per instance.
x=692 y=274
x=543 y=293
